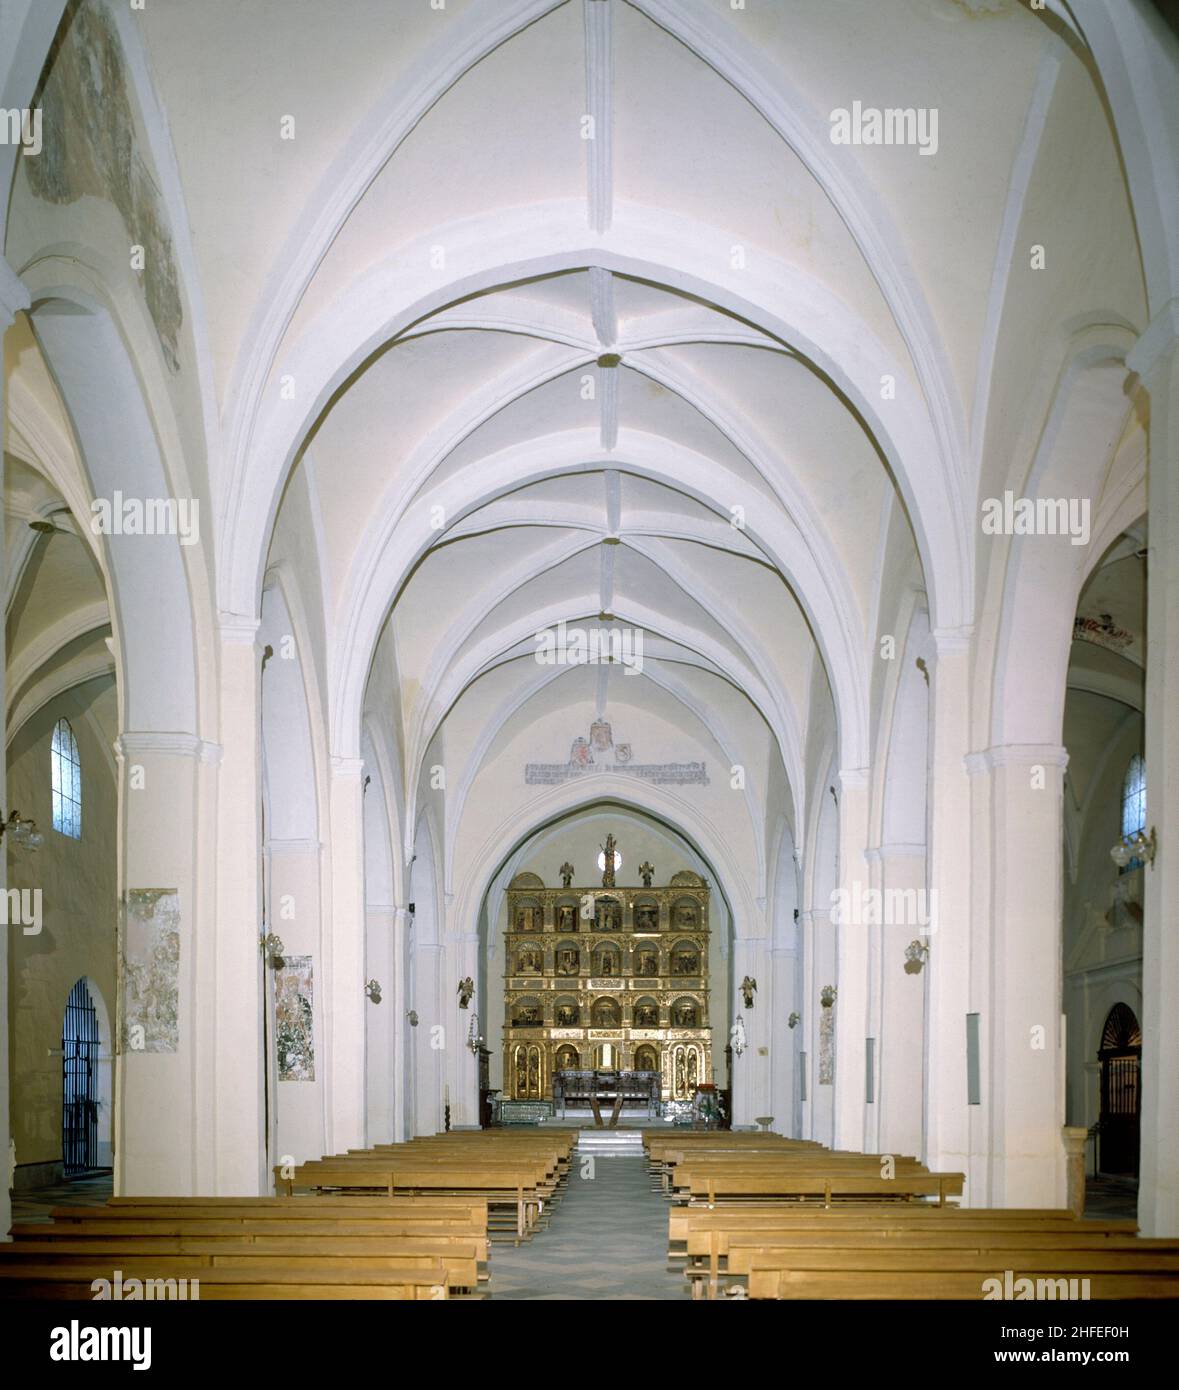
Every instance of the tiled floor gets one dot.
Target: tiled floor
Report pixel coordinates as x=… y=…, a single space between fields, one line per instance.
x=36 y=1205
x=607 y=1240
x=1109 y=1198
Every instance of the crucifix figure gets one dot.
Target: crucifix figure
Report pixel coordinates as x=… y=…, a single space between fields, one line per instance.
x=566 y=872
x=608 y=862
x=647 y=870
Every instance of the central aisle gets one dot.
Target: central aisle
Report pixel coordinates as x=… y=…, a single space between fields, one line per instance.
x=608 y=1239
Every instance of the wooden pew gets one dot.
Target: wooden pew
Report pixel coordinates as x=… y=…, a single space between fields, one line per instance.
x=737 y=1251
x=519 y=1178
x=761 y=1163
x=727 y=1243
x=243 y=1227
x=470 y=1212
x=458 y=1256
x=306 y=1233
x=687 y=1222
x=945 y=1274
x=38 y=1277
x=264 y=1217
x=665 y=1157
x=709 y=1187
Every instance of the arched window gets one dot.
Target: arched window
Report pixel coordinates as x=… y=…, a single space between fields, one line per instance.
x=67 y=781
x=1134 y=796
x=1134 y=803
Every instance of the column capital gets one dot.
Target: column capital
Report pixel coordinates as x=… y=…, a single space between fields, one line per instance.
x=305 y=845
x=1016 y=755
x=951 y=641
x=237 y=629
x=14 y=294
x=853 y=779
x=347 y=767
x=1156 y=343
x=175 y=745
x=895 y=850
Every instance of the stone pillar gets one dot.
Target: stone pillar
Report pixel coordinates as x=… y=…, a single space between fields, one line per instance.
x=1074 y=1137
x=782 y=1002
x=1016 y=985
x=818 y=972
x=293 y=896
x=13 y=297
x=166 y=1109
x=852 y=948
x=461 y=1064
x=344 y=1024
x=233 y=998
x=873 y=943
x=751 y=1071
x=429 y=1082
x=380 y=964
x=900 y=995
x=1156 y=361
x=401 y=1059
x=948 y=1119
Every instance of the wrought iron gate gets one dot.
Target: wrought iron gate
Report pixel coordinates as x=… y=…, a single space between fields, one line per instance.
x=79 y=1100
x=1121 y=1059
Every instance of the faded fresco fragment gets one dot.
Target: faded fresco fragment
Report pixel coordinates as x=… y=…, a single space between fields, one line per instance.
x=91 y=148
x=293 y=1027
x=827 y=1048
x=151 y=970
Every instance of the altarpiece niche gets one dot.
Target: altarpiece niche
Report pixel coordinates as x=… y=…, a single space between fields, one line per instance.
x=607 y=979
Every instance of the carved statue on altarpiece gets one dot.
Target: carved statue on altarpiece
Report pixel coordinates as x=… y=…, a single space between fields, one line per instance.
x=608 y=862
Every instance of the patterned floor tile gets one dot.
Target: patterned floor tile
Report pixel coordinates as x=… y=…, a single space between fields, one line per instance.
x=608 y=1240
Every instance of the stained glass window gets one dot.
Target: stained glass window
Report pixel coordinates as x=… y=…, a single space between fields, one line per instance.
x=1134 y=802
x=67 y=781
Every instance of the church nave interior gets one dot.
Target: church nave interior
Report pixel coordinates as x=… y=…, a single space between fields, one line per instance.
x=589 y=700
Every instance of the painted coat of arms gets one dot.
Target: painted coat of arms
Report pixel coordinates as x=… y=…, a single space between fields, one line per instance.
x=599 y=753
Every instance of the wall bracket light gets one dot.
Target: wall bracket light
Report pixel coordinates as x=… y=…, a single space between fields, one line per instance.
x=1136 y=846
x=22 y=832
x=916 y=954
x=274 y=950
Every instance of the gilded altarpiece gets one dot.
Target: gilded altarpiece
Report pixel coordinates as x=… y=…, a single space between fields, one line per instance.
x=606 y=979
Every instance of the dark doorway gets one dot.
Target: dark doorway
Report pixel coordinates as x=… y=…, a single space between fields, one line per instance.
x=1121 y=1092
x=79 y=1091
